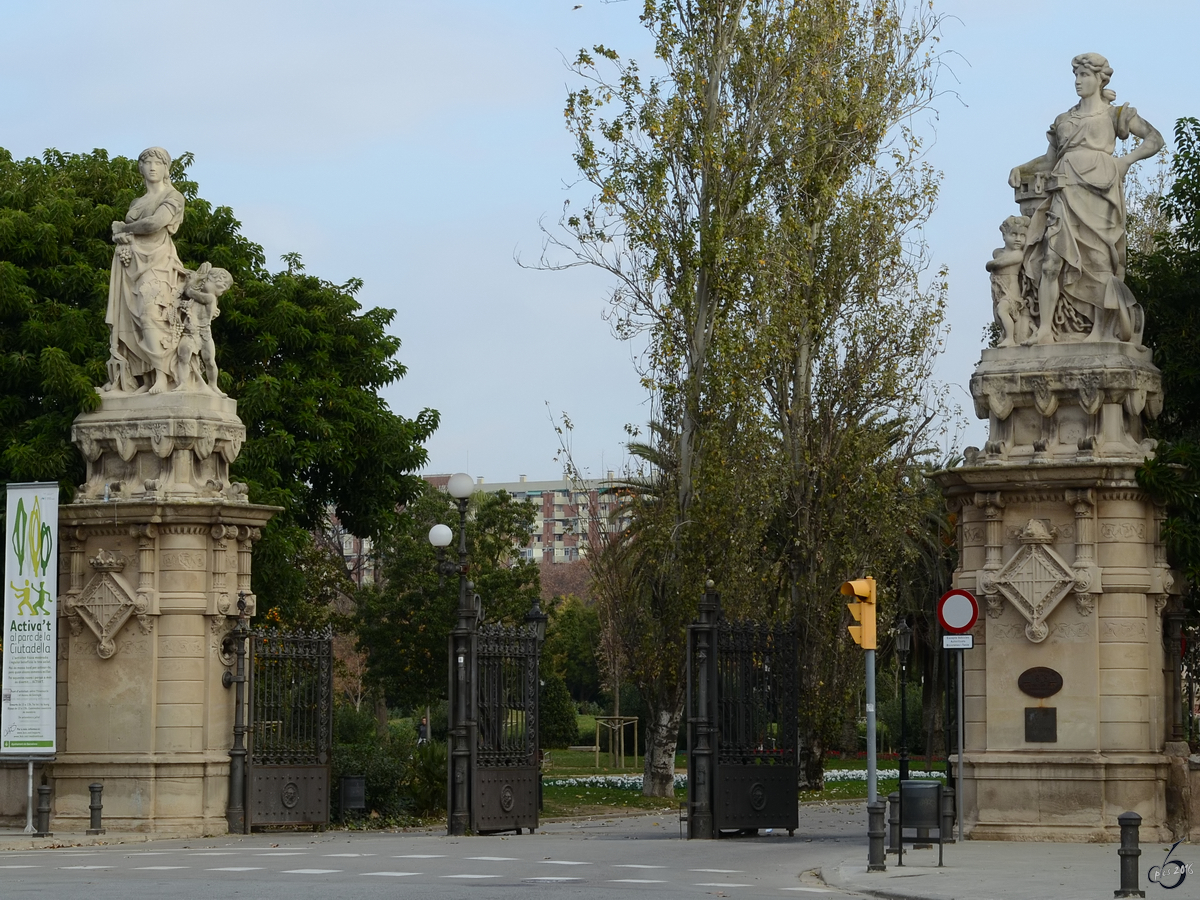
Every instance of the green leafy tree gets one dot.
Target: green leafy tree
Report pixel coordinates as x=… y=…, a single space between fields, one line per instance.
x=298 y=353
x=1167 y=282
x=572 y=647
x=403 y=623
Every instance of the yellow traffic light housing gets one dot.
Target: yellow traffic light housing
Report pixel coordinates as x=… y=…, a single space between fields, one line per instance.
x=863 y=610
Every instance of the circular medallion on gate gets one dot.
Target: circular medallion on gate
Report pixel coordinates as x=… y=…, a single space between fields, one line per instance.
x=290 y=794
x=506 y=798
x=758 y=797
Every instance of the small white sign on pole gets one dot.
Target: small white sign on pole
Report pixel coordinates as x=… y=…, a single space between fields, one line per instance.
x=28 y=681
x=958 y=642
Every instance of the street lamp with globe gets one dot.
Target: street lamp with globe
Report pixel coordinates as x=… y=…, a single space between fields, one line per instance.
x=903 y=647
x=459 y=487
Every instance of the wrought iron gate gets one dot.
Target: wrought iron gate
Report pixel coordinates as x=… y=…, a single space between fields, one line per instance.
x=504 y=760
x=742 y=731
x=290 y=727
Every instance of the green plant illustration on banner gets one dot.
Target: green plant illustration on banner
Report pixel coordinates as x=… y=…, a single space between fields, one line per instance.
x=20 y=521
x=32 y=538
x=41 y=540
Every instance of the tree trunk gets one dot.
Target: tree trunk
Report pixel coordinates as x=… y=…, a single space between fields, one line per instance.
x=381 y=717
x=662 y=734
x=812 y=773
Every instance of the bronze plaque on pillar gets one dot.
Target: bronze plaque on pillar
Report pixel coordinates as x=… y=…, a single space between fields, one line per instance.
x=1040 y=682
x=1041 y=724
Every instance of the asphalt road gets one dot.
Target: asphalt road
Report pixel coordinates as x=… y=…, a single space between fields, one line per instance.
x=614 y=858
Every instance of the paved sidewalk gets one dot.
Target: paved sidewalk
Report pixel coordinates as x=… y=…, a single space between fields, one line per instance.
x=1009 y=870
x=16 y=839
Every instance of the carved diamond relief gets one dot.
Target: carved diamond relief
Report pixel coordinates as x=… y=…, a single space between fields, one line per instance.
x=106 y=602
x=1035 y=579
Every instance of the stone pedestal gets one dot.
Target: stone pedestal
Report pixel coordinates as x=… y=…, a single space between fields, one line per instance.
x=1062 y=548
x=155 y=551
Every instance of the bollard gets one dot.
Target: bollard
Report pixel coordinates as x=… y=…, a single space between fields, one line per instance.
x=1129 y=853
x=43 y=812
x=893 y=822
x=96 y=806
x=876 y=862
x=948 y=815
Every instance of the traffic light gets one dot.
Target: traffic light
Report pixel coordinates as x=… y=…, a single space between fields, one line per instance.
x=863 y=610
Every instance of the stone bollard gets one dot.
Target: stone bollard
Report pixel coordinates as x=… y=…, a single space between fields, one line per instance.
x=893 y=822
x=43 y=812
x=948 y=815
x=1129 y=853
x=876 y=861
x=96 y=806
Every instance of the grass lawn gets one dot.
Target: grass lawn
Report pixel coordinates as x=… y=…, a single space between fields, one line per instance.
x=568 y=763
x=579 y=800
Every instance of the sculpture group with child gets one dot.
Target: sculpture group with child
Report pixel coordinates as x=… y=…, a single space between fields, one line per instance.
x=159 y=312
x=1060 y=276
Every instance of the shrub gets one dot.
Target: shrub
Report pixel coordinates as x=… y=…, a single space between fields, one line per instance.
x=427 y=783
x=557 y=725
x=385 y=763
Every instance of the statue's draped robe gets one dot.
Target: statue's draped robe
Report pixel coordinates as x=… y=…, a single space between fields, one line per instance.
x=142 y=298
x=1083 y=219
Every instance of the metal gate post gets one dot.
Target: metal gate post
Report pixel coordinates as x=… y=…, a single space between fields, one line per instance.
x=700 y=786
x=235 y=813
x=462 y=694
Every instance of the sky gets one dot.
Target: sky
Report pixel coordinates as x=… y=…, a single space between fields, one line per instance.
x=420 y=146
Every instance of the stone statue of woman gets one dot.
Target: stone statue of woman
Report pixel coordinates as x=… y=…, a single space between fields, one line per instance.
x=145 y=286
x=1075 y=256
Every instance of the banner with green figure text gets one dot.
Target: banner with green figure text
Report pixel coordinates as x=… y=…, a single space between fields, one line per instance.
x=27 y=685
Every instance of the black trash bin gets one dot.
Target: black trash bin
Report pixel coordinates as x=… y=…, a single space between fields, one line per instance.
x=352 y=794
x=921 y=811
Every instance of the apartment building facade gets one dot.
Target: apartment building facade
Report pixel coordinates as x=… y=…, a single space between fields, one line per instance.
x=571 y=517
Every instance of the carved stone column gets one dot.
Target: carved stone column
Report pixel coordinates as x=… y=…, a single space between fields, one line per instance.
x=992 y=505
x=1087 y=576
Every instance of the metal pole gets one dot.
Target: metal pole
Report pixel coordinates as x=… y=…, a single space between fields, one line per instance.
x=904 y=717
x=947 y=715
x=872 y=774
x=459 y=822
x=1129 y=852
x=43 y=812
x=235 y=812
x=96 y=807
x=876 y=860
x=29 y=805
x=958 y=783
x=700 y=812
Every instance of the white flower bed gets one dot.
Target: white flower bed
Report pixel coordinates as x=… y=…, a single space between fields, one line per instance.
x=861 y=774
x=634 y=782
x=621 y=782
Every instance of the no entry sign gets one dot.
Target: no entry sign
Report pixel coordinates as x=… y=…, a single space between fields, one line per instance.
x=958 y=610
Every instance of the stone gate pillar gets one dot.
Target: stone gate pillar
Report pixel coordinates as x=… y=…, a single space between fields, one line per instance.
x=1062 y=548
x=157 y=547
x=1068 y=716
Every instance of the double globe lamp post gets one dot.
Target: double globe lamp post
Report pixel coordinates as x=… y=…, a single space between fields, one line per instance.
x=462 y=691
x=461 y=722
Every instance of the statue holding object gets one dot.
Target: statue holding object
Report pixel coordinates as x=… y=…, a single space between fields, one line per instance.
x=1074 y=260
x=159 y=312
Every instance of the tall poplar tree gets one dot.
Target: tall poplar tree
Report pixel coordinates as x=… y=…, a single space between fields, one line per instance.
x=752 y=205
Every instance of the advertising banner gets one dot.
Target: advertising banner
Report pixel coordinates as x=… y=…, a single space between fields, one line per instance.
x=27 y=684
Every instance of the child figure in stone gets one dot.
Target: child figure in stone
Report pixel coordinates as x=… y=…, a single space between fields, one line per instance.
x=1010 y=307
x=199 y=302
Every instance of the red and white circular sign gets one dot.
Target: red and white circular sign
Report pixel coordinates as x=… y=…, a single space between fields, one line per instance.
x=958 y=610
